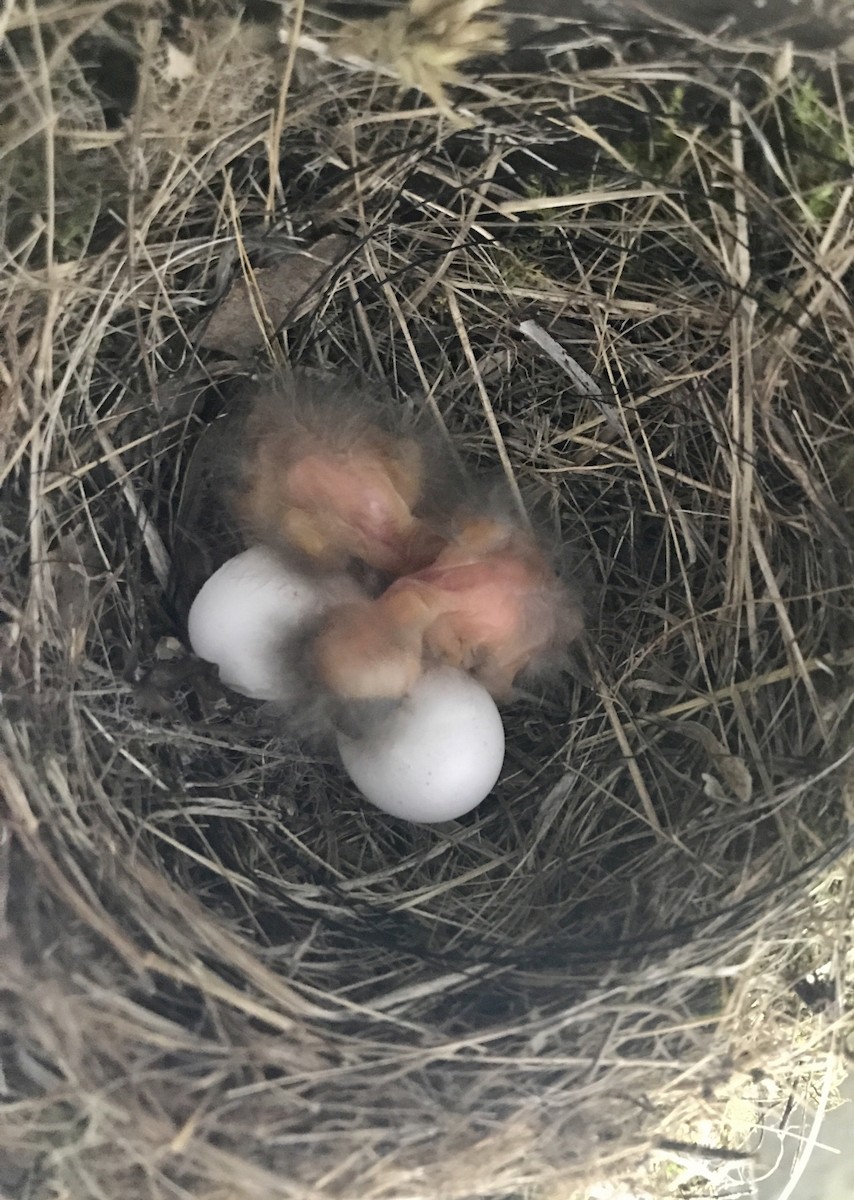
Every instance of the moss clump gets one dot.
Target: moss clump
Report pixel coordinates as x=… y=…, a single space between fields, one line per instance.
x=814 y=143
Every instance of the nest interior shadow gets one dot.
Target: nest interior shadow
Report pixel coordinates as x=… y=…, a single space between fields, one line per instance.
x=224 y=974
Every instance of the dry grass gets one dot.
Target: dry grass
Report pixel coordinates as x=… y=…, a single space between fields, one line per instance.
x=223 y=977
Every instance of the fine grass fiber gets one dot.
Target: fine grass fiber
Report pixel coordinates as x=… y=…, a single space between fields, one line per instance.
x=618 y=270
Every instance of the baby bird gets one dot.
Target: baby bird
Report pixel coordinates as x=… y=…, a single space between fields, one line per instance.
x=322 y=478
x=489 y=604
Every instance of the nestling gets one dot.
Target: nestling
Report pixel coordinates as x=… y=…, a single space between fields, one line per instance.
x=322 y=478
x=489 y=604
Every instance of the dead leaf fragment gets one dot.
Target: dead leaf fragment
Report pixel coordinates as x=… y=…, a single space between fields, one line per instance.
x=274 y=296
x=731 y=770
x=72 y=587
x=179 y=64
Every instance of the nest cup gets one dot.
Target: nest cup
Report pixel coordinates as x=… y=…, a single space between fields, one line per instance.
x=224 y=975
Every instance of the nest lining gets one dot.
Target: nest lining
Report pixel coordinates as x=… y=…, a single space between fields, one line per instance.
x=226 y=976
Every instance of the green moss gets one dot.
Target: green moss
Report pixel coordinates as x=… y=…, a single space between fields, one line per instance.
x=57 y=174
x=522 y=264
x=659 y=156
x=816 y=147
x=807 y=106
x=78 y=195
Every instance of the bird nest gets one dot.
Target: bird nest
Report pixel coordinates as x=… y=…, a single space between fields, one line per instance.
x=616 y=269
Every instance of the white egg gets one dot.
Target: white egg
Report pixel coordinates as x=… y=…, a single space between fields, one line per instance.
x=242 y=617
x=437 y=756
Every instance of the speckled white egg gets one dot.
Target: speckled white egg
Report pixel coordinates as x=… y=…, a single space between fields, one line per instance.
x=243 y=615
x=439 y=754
